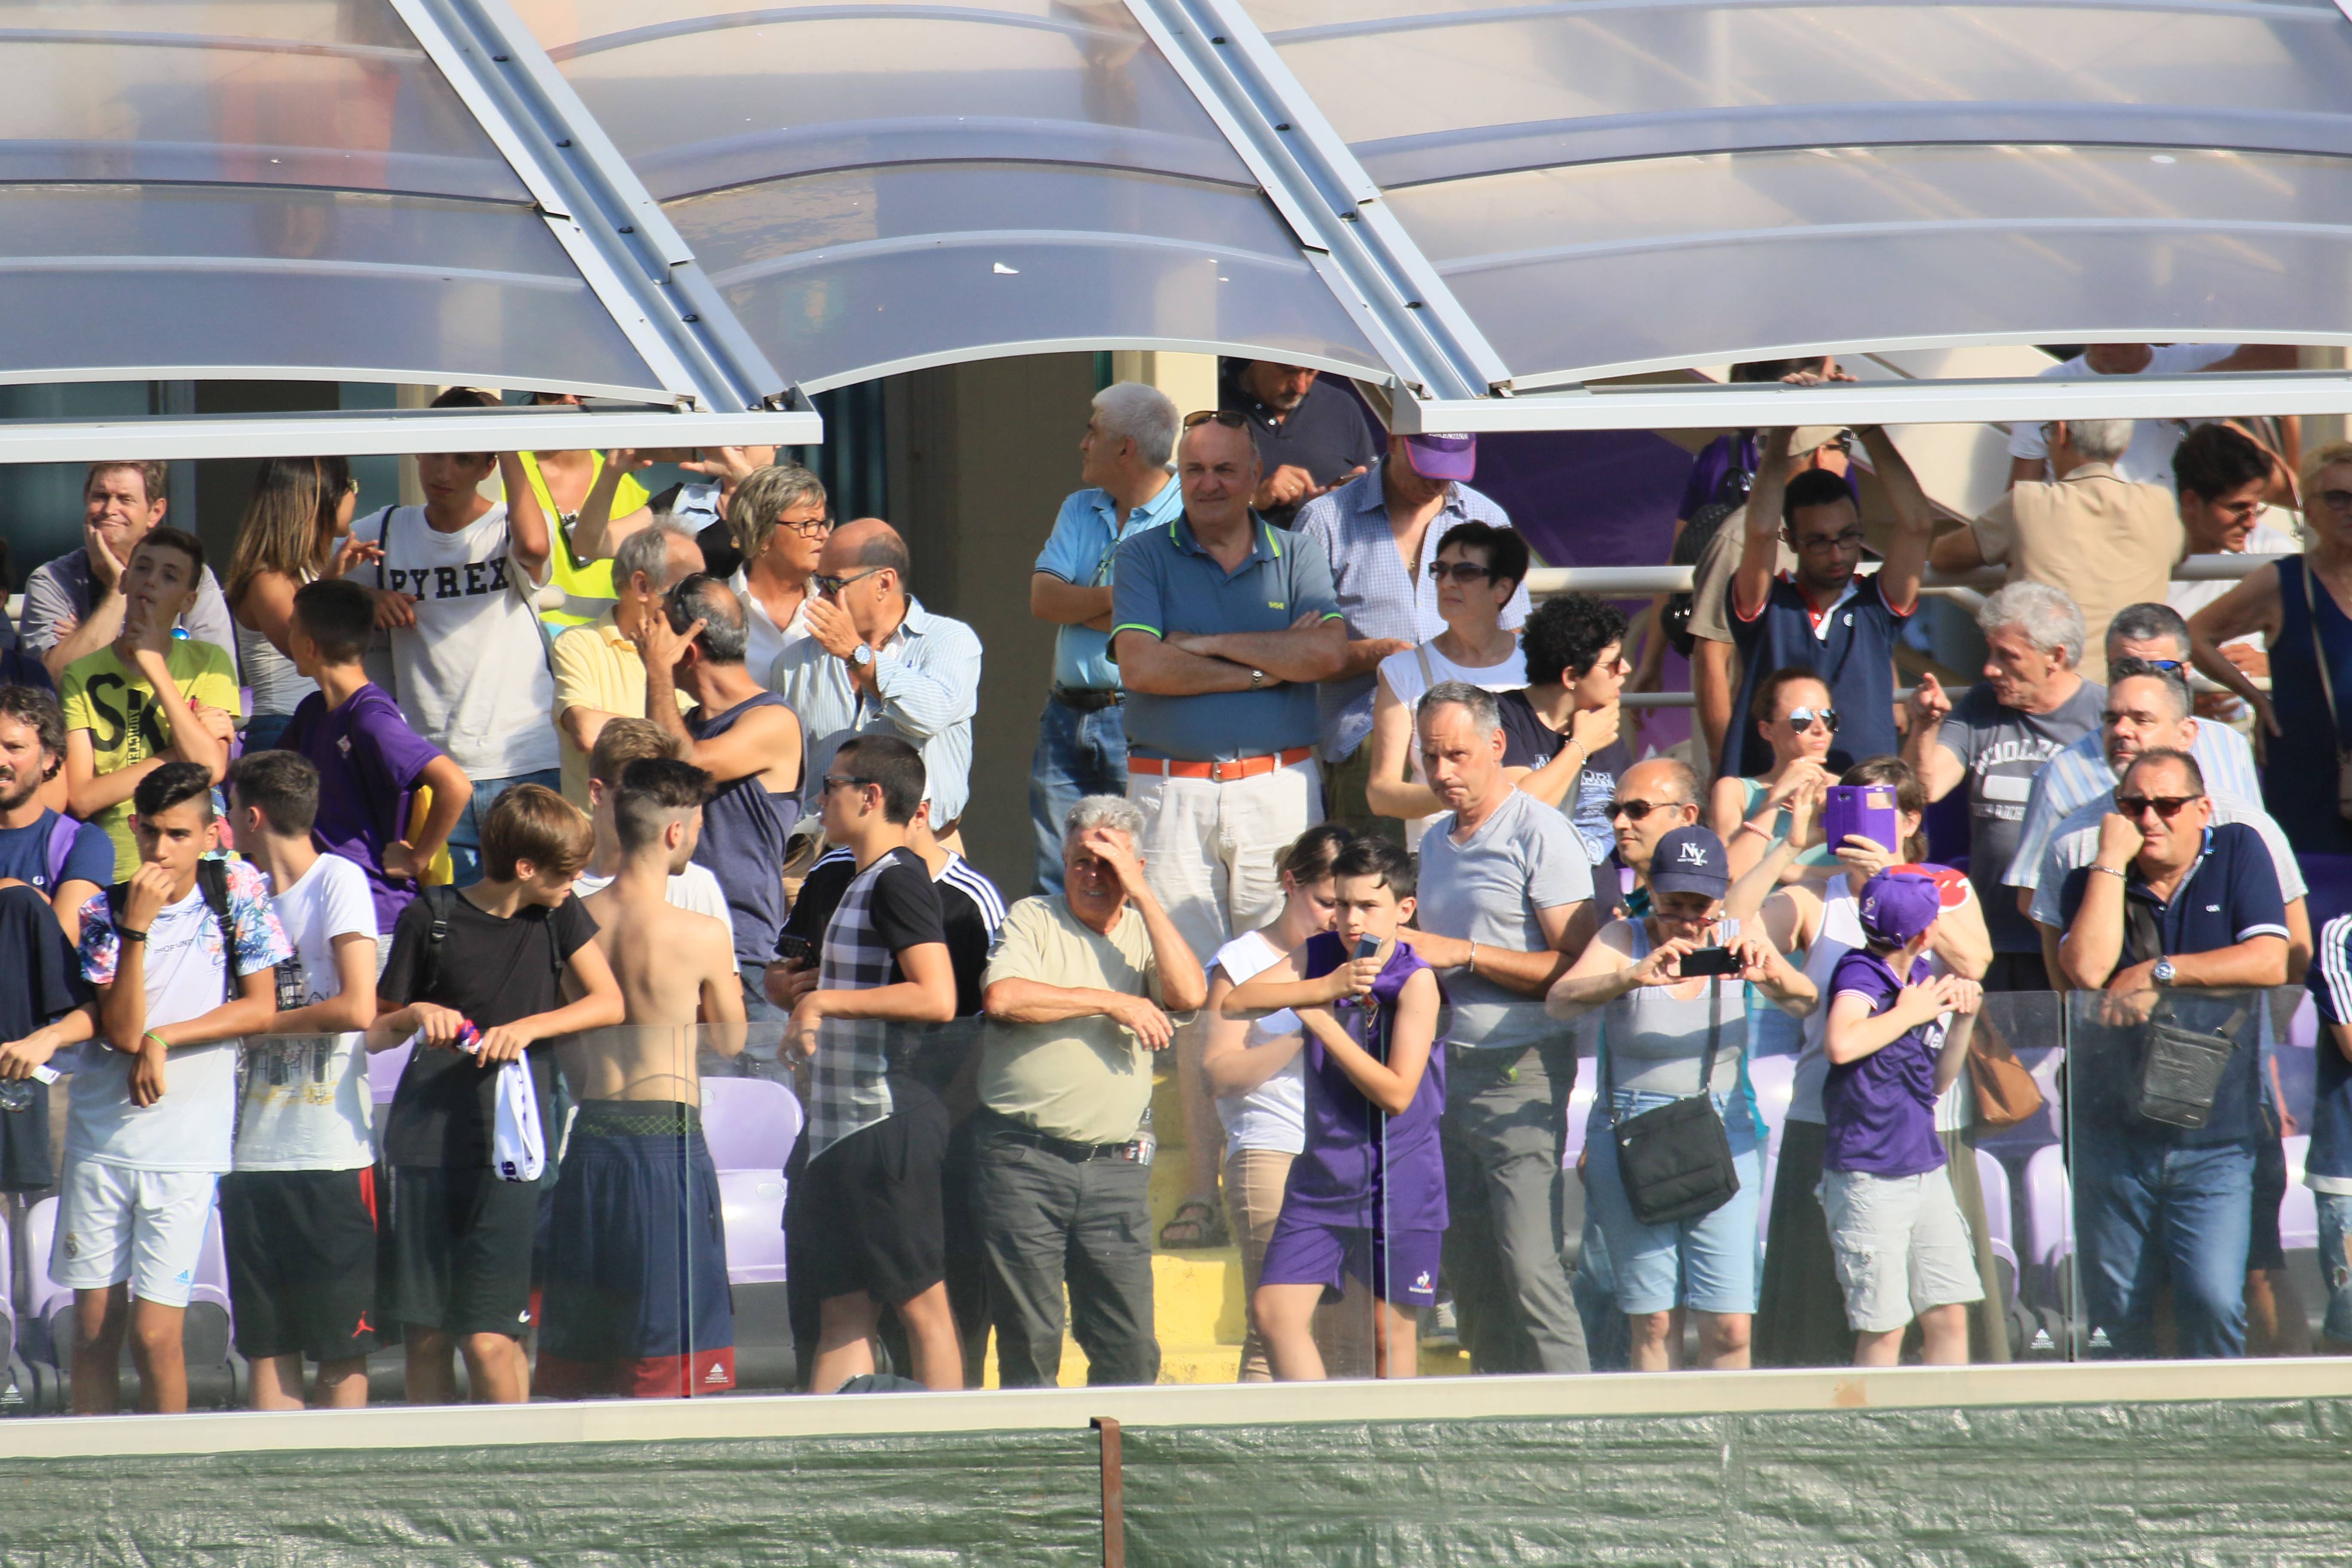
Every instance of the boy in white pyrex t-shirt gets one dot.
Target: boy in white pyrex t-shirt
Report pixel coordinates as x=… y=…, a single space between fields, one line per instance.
x=455 y=581
x=297 y=1215
x=185 y=958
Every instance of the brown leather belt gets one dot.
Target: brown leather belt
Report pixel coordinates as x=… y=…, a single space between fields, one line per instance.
x=1220 y=772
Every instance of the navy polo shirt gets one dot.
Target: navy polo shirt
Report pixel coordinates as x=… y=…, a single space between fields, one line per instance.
x=1326 y=435
x=2229 y=896
x=1163 y=583
x=1850 y=645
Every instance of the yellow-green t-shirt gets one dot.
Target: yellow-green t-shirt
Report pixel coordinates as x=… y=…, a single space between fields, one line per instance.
x=587 y=584
x=126 y=724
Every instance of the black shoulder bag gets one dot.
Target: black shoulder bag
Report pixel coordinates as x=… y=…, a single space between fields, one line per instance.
x=1675 y=1162
x=2180 y=1067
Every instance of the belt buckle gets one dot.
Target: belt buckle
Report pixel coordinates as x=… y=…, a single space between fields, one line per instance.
x=1217 y=773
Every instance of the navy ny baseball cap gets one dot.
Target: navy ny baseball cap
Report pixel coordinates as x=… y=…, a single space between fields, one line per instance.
x=1690 y=860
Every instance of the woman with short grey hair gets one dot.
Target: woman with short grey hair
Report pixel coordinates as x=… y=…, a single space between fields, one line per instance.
x=779 y=518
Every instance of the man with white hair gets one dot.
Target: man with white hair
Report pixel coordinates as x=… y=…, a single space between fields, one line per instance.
x=2103 y=539
x=599 y=674
x=1078 y=994
x=2029 y=707
x=1123 y=461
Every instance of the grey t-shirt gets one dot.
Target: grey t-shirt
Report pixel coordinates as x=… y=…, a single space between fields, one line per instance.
x=64 y=587
x=2002 y=749
x=1523 y=859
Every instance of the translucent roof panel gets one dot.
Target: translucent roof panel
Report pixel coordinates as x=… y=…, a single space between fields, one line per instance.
x=130 y=283
x=261 y=93
x=882 y=184
x=839 y=276
x=1762 y=252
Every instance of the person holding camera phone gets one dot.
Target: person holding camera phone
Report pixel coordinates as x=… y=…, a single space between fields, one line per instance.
x=1672 y=991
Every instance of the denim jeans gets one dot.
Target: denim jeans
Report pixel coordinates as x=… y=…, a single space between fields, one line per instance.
x=1077 y=753
x=2335 y=1211
x=1708 y=1262
x=2146 y=1212
x=466 y=838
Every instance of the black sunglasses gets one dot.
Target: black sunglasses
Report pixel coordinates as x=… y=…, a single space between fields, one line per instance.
x=2168 y=807
x=1634 y=810
x=838 y=780
x=1464 y=572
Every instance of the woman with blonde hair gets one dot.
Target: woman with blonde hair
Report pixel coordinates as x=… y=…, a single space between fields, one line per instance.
x=299 y=514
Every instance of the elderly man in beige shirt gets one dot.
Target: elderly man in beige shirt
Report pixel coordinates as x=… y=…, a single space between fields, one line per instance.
x=2102 y=540
x=599 y=674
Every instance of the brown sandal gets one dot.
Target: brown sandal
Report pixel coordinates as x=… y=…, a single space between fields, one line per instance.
x=1197 y=1222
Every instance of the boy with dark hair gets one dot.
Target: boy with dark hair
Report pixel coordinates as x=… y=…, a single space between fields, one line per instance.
x=637 y=1300
x=1902 y=1244
x=1366 y=1198
x=147 y=698
x=619 y=744
x=876 y=1139
x=370 y=763
x=496 y=956
x=63 y=860
x=185 y=957
x=297 y=1215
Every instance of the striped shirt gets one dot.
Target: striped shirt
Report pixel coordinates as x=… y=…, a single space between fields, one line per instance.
x=887 y=909
x=2080 y=775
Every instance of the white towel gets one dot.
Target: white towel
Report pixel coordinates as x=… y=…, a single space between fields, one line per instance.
x=517 y=1143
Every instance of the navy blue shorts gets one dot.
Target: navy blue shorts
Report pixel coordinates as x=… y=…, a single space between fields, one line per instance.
x=635 y=1301
x=1401 y=1266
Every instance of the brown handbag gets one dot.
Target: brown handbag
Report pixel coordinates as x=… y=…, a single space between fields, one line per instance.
x=2006 y=1093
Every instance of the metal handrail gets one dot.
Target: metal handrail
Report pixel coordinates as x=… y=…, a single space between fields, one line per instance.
x=1627 y=582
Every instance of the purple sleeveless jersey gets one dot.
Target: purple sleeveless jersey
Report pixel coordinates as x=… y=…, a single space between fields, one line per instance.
x=1340 y=1179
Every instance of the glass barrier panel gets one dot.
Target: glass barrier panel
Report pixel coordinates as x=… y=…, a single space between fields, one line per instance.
x=2188 y=1135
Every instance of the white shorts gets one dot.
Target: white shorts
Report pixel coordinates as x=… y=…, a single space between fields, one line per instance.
x=1901 y=1244
x=143 y=1226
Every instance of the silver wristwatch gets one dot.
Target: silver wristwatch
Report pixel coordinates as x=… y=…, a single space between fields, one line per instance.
x=1258 y=680
x=2163 y=972
x=861 y=656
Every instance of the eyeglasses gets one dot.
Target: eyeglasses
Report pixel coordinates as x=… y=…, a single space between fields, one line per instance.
x=1464 y=572
x=1836 y=544
x=1230 y=419
x=1800 y=719
x=840 y=781
x=2336 y=500
x=2168 y=807
x=829 y=586
x=806 y=526
x=1634 y=810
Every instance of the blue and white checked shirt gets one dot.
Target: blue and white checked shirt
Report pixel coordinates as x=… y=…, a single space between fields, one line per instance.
x=1376 y=598
x=2080 y=775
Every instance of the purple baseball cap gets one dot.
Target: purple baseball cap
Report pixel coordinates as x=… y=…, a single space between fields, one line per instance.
x=1895 y=906
x=1443 y=456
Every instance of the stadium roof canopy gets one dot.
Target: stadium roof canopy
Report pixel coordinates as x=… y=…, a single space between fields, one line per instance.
x=699 y=211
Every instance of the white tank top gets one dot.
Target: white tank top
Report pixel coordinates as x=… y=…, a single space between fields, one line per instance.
x=1840 y=933
x=269 y=675
x=1273 y=1116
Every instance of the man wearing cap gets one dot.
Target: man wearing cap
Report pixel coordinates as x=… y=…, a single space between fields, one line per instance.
x=1714 y=662
x=1506 y=906
x=1221 y=626
x=1380 y=533
x=1311 y=437
x=1823 y=616
x=2163 y=1156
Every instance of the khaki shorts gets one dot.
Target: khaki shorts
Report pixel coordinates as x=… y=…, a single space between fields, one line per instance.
x=1901 y=1244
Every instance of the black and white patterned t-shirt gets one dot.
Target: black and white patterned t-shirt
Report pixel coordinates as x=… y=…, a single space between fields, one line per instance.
x=888 y=908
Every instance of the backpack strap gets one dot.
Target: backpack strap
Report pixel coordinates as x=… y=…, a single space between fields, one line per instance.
x=383 y=539
x=440 y=900
x=212 y=881
x=62 y=834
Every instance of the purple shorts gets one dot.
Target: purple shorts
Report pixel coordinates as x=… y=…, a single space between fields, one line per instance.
x=1401 y=1266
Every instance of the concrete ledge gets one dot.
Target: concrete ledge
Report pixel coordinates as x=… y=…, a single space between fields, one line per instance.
x=1180 y=1406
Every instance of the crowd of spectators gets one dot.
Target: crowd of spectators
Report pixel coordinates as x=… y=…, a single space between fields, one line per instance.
x=1332 y=824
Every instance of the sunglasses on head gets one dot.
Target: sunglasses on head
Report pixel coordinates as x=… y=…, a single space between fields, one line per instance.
x=1230 y=418
x=1800 y=719
x=2168 y=807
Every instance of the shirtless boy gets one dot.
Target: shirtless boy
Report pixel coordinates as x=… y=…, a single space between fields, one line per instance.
x=635 y=1301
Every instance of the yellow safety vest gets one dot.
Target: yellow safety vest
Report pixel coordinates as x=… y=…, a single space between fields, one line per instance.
x=587 y=586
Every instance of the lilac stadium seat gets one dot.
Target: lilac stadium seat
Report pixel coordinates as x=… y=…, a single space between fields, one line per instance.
x=751 y=1123
x=751 y=1207
x=1580 y=1110
x=1992 y=1176
x=47 y=1299
x=2049 y=1224
x=383 y=1069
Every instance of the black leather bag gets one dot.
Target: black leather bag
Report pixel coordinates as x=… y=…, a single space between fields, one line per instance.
x=1674 y=1161
x=2180 y=1071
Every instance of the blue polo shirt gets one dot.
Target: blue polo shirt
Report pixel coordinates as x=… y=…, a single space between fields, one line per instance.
x=1849 y=645
x=1164 y=582
x=2229 y=896
x=2328 y=1167
x=1079 y=551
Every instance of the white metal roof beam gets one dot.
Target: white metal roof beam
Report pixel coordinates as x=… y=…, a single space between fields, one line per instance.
x=1355 y=244
x=166 y=437
x=1695 y=406
x=612 y=227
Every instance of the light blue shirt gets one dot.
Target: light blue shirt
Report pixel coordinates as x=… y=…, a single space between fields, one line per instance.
x=1086 y=537
x=2080 y=775
x=928 y=677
